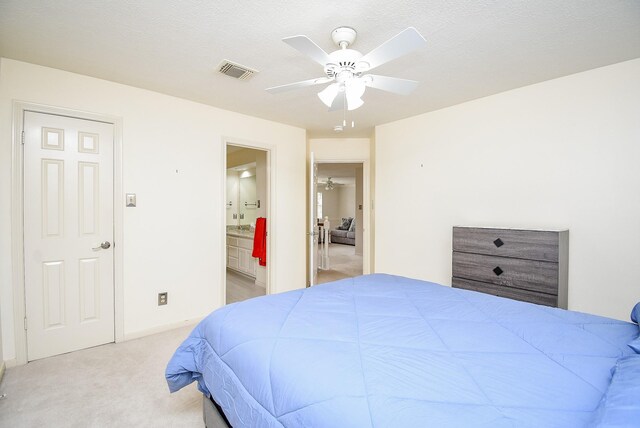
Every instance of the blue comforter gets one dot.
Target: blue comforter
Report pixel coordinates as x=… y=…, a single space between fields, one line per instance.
x=388 y=351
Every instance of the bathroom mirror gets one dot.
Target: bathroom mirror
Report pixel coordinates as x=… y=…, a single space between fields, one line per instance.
x=247 y=196
x=242 y=203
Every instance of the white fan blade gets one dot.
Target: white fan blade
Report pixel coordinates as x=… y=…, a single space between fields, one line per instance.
x=303 y=84
x=406 y=41
x=338 y=102
x=390 y=84
x=309 y=48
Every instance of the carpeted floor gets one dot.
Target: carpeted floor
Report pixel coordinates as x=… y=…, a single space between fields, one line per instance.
x=118 y=385
x=114 y=385
x=343 y=263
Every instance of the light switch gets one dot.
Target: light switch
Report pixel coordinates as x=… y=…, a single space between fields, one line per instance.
x=131 y=199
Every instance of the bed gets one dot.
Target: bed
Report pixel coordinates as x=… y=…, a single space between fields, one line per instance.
x=388 y=351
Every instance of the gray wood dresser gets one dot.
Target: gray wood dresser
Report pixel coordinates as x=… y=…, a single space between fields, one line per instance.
x=527 y=265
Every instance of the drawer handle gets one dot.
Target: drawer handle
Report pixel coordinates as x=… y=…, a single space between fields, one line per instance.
x=498 y=243
x=498 y=271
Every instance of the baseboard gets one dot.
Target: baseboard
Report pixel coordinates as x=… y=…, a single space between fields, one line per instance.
x=3 y=367
x=161 y=328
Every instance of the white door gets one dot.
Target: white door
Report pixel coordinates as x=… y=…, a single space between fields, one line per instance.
x=313 y=223
x=68 y=214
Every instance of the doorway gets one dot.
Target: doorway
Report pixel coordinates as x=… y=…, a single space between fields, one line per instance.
x=247 y=208
x=67 y=223
x=339 y=215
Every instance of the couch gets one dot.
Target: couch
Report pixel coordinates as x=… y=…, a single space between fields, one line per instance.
x=345 y=233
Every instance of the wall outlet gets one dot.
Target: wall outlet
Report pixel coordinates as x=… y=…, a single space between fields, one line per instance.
x=131 y=200
x=162 y=298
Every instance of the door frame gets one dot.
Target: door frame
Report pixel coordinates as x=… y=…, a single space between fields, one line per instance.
x=271 y=211
x=17 y=217
x=366 y=205
x=312 y=218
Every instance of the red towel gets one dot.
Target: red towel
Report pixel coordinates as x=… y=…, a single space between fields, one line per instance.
x=260 y=241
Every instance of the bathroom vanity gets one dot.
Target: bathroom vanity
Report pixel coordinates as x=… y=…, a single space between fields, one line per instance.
x=239 y=248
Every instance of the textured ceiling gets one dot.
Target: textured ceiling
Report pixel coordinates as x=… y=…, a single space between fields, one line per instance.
x=475 y=48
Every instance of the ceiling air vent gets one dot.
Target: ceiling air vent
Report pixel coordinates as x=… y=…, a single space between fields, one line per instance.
x=235 y=70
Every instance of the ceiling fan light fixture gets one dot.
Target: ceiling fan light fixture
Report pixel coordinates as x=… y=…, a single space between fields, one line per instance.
x=354 y=103
x=328 y=94
x=354 y=91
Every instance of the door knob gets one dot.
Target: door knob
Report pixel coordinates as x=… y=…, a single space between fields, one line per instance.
x=103 y=246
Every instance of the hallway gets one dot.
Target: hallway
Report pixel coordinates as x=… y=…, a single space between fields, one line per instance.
x=343 y=263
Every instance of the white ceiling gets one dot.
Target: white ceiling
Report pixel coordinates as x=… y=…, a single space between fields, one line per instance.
x=475 y=48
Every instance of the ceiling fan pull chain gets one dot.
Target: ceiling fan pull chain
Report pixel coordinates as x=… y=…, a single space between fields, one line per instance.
x=344 y=110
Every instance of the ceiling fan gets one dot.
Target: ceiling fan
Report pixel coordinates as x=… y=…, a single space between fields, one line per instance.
x=329 y=184
x=348 y=68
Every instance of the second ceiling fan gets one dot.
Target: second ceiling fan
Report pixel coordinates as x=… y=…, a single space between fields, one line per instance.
x=348 y=69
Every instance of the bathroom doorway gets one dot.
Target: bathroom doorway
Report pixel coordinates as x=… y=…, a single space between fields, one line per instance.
x=247 y=207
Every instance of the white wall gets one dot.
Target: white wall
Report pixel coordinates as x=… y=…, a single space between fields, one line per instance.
x=340 y=149
x=346 y=200
x=560 y=154
x=330 y=205
x=172 y=239
x=338 y=203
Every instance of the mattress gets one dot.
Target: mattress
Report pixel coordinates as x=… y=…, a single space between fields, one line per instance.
x=388 y=351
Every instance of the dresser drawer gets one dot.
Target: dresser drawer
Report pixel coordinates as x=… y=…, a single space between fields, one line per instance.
x=508 y=292
x=522 y=244
x=517 y=273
